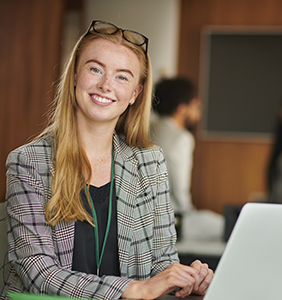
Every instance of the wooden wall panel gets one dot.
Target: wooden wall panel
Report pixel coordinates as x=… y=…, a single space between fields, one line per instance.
x=228 y=173
x=30 y=32
x=225 y=171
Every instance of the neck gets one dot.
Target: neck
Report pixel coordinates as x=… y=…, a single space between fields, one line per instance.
x=95 y=138
x=179 y=120
x=97 y=142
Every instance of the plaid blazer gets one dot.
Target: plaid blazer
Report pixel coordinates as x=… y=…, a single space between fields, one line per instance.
x=41 y=255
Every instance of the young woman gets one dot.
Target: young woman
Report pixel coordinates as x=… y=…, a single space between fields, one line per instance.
x=88 y=204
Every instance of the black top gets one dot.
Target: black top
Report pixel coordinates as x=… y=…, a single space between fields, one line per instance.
x=84 y=242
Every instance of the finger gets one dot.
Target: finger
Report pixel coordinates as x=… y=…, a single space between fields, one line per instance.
x=183 y=277
x=186 y=291
x=202 y=289
x=182 y=271
x=196 y=265
x=201 y=273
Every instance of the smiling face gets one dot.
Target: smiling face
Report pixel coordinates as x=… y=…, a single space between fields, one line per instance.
x=107 y=80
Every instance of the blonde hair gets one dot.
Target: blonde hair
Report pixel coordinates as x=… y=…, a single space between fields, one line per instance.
x=70 y=160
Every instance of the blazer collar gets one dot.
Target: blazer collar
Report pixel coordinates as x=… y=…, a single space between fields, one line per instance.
x=121 y=148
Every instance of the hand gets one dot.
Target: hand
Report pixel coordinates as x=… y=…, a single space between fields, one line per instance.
x=203 y=277
x=174 y=276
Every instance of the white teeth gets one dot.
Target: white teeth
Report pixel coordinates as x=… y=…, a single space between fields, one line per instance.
x=101 y=99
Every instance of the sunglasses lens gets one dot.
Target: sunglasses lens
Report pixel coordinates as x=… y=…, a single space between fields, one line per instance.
x=134 y=37
x=105 y=28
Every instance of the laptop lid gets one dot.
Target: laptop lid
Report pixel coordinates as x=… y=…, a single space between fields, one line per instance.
x=251 y=265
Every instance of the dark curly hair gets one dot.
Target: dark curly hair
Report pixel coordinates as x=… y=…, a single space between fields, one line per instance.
x=169 y=93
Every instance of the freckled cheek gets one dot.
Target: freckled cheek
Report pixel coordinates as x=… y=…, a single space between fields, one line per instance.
x=124 y=94
x=84 y=81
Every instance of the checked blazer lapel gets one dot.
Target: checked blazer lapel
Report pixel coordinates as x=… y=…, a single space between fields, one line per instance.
x=126 y=189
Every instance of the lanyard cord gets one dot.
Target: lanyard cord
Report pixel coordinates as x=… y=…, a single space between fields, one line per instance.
x=98 y=257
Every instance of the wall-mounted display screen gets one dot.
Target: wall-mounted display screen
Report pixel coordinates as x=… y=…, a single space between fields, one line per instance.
x=241 y=80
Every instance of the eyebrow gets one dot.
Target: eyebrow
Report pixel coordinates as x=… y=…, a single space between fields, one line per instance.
x=103 y=65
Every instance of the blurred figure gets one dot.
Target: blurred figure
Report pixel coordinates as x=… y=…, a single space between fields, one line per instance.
x=178 y=110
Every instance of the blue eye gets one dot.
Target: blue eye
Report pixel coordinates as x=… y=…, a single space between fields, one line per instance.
x=95 y=70
x=123 y=78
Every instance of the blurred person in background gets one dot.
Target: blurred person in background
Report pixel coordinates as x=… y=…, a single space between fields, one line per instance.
x=177 y=112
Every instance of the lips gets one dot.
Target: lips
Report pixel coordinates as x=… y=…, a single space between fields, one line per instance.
x=101 y=100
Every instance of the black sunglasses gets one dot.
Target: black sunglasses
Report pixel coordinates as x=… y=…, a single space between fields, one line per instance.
x=131 y=36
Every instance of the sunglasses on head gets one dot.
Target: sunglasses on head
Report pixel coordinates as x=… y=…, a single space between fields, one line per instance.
x=131 y=36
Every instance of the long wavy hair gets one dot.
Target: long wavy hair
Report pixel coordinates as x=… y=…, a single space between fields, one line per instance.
x=71 y=163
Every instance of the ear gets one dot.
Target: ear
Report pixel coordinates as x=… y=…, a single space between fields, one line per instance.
x=136 y=93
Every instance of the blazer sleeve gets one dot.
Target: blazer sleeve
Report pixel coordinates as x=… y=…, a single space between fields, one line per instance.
x=33 y=253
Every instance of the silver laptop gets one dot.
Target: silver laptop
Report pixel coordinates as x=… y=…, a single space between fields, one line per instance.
x=251 y=265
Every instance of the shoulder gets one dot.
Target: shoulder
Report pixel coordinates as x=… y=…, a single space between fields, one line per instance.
x=187 y=137
x=148 y=161
x=39 y=150
x=141 y=154
x=31 y=164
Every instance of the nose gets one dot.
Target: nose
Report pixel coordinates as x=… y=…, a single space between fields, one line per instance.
x=104 y=84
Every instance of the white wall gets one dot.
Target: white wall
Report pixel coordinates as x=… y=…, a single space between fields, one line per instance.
x=156 y=19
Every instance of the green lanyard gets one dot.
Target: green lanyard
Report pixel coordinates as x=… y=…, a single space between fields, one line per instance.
x=96 y=234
